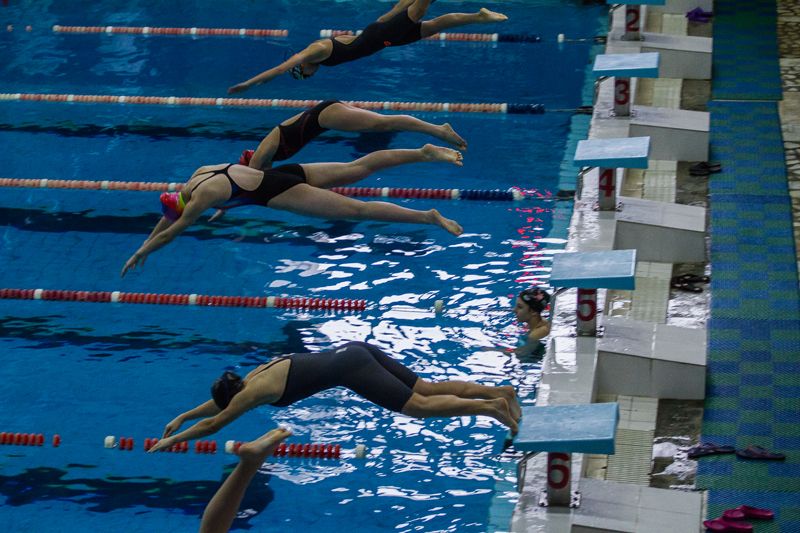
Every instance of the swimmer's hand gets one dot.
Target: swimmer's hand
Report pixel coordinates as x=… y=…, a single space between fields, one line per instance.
x=216 y=215
x=162 y=444
x=131 y=263
x=239 y=88
x=172 y=427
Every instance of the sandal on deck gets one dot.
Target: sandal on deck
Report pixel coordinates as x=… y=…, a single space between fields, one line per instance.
x=759 y=452
x=691 y=278
x=708 y=448
x=745 y=511
x=683 y=286
x=723 y=526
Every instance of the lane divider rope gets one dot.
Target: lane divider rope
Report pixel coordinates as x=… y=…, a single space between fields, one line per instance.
x=455 y=107
x=512 y=194
x=279 y=302
x=154 y=30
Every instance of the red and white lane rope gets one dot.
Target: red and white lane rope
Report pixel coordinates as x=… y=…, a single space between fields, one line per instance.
x=513 y=193
x=279 y=302
x=153 y=30
x=272 y=102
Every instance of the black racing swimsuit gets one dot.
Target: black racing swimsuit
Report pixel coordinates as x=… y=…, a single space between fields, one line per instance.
x=396 y=31
x=358 y=366
x=275 y=181
x=300 y=132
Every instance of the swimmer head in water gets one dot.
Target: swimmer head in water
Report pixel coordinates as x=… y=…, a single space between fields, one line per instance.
x=536 y=299
x=225 y=388
x=172 y=205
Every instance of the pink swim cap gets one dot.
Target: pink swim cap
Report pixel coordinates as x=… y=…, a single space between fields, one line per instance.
x=172 y=205
x=247 y=155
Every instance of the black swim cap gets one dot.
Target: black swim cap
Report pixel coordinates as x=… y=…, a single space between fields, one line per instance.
x=225 y=388
x=537 y=299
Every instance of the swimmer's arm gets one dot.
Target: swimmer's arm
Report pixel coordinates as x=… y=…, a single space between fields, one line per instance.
x=313 y=53
x=163 y=224
x=190 y=213
x=205 y=409
x=208 y=426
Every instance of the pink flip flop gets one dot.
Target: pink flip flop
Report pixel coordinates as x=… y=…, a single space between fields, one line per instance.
x=723 y=526
x=745 y=511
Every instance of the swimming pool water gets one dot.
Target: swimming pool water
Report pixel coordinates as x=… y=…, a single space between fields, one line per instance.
x=89 y=370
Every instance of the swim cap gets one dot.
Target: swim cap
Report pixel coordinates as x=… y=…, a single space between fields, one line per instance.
x=537 y=299
x=172 y=205
x=225 y=388
x=297 y=72
x=246 y=156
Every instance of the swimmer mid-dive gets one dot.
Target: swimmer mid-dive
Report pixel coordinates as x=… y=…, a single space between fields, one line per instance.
x=297 y=188
x=402 y=25
x=293 y=134
x=358 y=366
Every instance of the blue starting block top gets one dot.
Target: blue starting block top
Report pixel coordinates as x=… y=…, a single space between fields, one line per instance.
x=614 y=269
x=627 y=65
x=587 y=428
x=624 y=152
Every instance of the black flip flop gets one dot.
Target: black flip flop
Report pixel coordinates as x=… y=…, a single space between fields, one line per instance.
x=686 y=287
x=691 y=278
x=708 y=448
x=704 y=168
x=758 y=452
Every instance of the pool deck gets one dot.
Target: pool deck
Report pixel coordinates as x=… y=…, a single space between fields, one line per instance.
x=571 y=363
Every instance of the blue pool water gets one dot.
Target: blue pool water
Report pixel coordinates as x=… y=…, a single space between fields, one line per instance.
x=89 y=370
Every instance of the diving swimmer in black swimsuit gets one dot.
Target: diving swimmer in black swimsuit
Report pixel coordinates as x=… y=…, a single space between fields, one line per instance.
x=402 y=25
x=293 y=134
x=298 y=188
x=358 y=366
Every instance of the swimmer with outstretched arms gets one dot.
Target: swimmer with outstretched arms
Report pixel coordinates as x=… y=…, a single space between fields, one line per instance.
x=297 y=188
x=402 y=25
x=358 y=366
x=291 y=135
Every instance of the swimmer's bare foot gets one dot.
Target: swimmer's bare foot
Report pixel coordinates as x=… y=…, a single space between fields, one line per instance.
x=491 y=16
x=510 y=396
x=448 y=134
x=440 y=153
x=501 y=413
x=435 y=217
x=258 y=450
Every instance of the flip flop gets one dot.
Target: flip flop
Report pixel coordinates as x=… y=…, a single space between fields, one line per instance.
x=691 y=278
x=705 y=168
x=723 y=526
x=759 y=452
x=745 y=511
x=708 y=448
x=683 y=286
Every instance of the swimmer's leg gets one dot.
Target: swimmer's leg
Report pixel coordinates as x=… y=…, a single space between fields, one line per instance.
x=316 y=202
x=399 y=7
x=453 y=20
x=326 y=175
x=222 y=508
x=445 y=405
x=345 y=117
x=262 y=158
x=465 y=389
